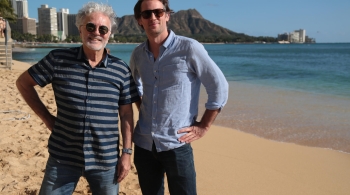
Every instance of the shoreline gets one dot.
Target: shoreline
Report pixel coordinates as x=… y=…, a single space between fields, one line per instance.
x=287 y=116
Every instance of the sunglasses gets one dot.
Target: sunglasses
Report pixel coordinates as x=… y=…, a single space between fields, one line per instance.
x=148 y=13
x=91 y=27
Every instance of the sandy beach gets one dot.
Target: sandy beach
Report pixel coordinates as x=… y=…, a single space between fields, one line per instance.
x=227 y=161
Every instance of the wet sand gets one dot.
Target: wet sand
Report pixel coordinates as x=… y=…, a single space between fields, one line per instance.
x=308 y=119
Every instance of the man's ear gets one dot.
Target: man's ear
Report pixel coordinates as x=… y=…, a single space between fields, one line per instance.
x=167 y=15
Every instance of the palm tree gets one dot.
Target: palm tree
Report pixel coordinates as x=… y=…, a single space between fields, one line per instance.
x=6 y=11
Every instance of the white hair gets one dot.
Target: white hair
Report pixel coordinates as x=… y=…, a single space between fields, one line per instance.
x=92 y=7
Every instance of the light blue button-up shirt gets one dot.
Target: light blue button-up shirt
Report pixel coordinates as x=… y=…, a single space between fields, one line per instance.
x=170 y=87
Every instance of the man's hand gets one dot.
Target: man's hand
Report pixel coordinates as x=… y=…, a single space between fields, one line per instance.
x=124 y=166
x=192 y=133
x=199 y=129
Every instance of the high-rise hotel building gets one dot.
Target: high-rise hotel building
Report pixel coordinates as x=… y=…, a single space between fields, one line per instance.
x=22 y=8
x=62 y=23
x=47 y=20
x=24 y=24
x=72 y=28
x=14 y=6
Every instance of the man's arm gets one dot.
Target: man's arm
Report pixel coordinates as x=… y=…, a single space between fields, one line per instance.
x=25 y=85
x=199 y=129
x=138 y=104
x=216 y=86
x=126 y=126
x=137 y=79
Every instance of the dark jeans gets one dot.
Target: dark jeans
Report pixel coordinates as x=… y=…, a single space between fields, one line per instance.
x=62 y=179
x=177 y=164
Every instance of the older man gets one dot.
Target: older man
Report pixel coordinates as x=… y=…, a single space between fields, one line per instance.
x=91 y=89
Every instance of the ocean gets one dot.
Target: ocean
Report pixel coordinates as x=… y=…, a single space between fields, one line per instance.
x=296 y=93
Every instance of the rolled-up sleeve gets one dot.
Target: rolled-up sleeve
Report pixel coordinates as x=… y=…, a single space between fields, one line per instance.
x=136 y=74
x=210 y=76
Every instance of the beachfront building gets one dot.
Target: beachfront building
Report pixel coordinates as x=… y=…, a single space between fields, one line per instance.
x=62 y=24
x=14 y=6
x=24 y=25
x=294 y=37
x=47 y=17
x=298 y=36
x=22 y=8
x=283 y=37
x=309 y=40
x=72 y=29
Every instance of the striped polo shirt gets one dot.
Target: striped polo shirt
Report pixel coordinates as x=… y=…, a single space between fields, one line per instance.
x=86 y=132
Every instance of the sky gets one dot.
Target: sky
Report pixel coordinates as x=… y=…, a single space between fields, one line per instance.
x=328 y=21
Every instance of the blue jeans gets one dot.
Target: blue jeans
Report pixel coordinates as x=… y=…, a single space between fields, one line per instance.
x=62 y=179
x=177 y=164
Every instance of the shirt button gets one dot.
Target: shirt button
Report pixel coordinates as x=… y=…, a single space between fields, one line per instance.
x=86 y=116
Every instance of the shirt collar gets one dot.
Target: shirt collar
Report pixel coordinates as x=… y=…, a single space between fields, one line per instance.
x=103 y=63
x=167 y=42
x=170 y=39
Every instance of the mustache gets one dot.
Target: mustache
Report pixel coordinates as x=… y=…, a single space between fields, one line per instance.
x=95 y=37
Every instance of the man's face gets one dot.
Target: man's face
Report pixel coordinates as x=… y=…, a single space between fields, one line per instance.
x=155 y=24
x=95 y=39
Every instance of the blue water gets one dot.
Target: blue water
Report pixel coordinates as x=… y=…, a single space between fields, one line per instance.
x=317 y=68
x=295 y=93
